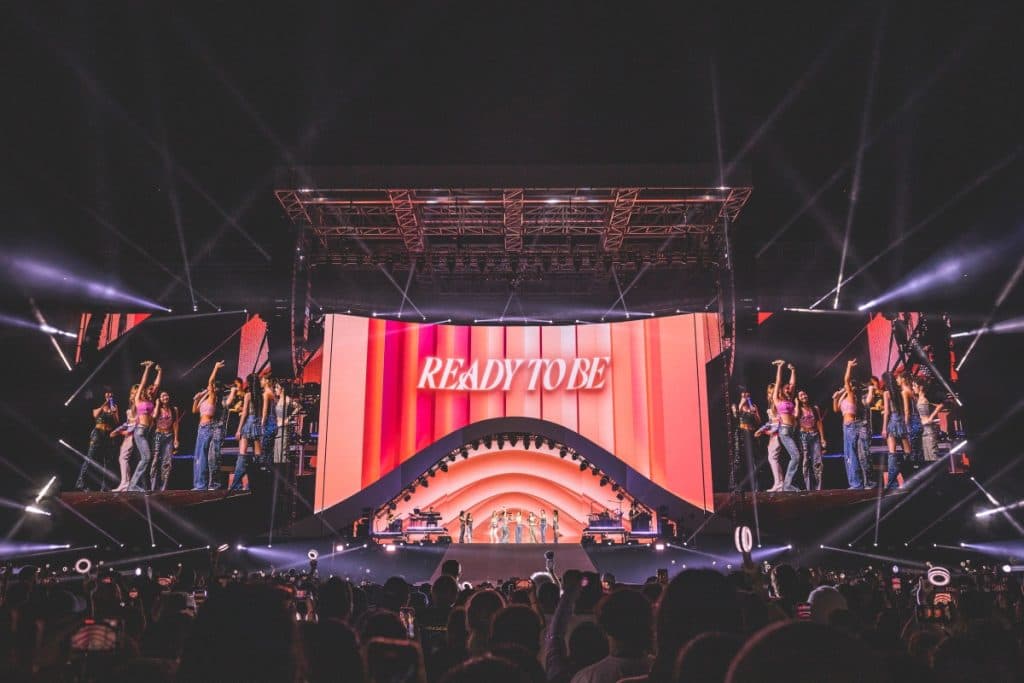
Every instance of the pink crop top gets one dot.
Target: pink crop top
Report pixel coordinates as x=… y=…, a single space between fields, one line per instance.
x=808 y=420
x=848 y=407
x=144 y=408
x=165 y=420
x=785 y=407
x=207 y=409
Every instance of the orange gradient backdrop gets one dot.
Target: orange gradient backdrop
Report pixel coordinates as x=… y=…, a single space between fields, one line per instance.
x=651 y=412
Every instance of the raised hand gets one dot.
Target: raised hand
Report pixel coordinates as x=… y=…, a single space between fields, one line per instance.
x=778 y=362
x=852 y=363
x=218 y=365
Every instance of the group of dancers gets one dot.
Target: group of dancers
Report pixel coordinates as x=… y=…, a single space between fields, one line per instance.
x=531 y=525
x=150 y=429
x=795 y=428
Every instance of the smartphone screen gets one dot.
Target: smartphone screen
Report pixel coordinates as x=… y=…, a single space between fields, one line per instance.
x=803 y=610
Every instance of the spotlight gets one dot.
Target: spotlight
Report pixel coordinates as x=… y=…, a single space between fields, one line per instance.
x=615 y=487
x=594 y=470
x=138 y=571
x=239 y=547
x=391 y=548
x=407 y=497
x=538 y=442
x=513 y=439
x=451 y=457
x=1007 y=569
x=488 y=440
x=659 y=546
x=526 y=442
x=743 y=539
x=425 y=483
x=444 y=466
x=604 y=481
x=431 y=472
x=895 y=569
x=83 y=566
x=312 y=554
x=36 y=511
x=501 y=441
x=562 y=452
x=46 y=488
x=223 y=547
x=575 y=455
x=620 y=495
x=938 y=576
x=474 y=444
x=583 y=466
x=338 y=548
x=464 y=453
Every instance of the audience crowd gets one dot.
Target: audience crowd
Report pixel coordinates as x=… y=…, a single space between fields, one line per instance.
x=759 y=624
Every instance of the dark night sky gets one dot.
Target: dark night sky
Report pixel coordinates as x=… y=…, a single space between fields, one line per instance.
x=95 y=98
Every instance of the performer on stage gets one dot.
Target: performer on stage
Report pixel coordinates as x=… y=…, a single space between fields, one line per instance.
x=462 y=526
x=856 y=447
x=469 y=527
x=125 y=431
x=249 y=430
x=106 y=418
x=268 y=419
x=554 y=526
x=898 y=399
x=771 y=430
x=747 y=419
x=786 y=408
x=929 y=424
x=493 y=533
x=812 y=441
x=533 y=527
x=543 y=526
x=503 y=534
x=165 y=443
x=212 y=413
x=143 y=433
x=519 y=526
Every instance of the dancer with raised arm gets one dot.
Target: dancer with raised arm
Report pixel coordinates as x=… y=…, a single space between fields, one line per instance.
x=785 y=406
x=165 y=443
x=106 y=418
x=856 y=447
x=208 y=405
x=812 y=440
x=249 y=431
x=771 y=430
x=143 y=433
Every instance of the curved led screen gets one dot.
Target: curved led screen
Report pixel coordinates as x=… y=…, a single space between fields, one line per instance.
x=637 y=388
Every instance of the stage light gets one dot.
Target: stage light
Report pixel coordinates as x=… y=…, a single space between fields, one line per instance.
x=36 y=511
x=391 y=548
x=620 y=496
x=451 y=457
x=938 y=576
x=659 y=546
x=431 y=472
x=538 y=442
x=959 y=446
x=583 y=466
x=46 y=488
x=513 y=440
x=575 y=455
x=444 y=466
x=223 y=548
x=563 y=451
x=312 y=554
x=603 y=482
x=425 y=483
x=338 y=548
x=743 y=539
x=83 y=565
x=138 y=571
x=1007 y=569
x=594 y=470
x=501 y=441
x=1002 y=508
x=239 y=547
x=895 y=569
x=615 y=487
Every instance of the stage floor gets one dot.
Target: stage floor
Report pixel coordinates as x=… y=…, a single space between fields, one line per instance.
x=496 y=561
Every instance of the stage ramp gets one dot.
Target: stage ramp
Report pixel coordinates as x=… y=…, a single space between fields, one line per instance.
x=498 y=561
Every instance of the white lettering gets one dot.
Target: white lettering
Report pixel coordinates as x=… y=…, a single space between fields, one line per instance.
x=498 y=374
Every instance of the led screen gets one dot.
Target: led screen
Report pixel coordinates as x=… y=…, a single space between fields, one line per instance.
x=637 y=389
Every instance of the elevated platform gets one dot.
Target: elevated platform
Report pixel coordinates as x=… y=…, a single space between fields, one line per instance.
x=496 y=561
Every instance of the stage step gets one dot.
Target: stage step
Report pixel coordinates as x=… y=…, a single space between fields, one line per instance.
x=497 y=561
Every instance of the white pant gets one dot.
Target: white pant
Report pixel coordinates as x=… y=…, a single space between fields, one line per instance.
x=124 y=460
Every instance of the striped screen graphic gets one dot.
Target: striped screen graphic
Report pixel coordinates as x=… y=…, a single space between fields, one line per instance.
x=649 y=407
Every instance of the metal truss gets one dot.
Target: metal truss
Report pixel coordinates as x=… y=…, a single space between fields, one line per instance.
x=618 y=219
x=406 y=218
x=512 y=204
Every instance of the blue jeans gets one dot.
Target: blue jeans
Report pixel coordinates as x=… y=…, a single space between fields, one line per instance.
x=916 y=430
x=855 y=453
x=788 y=442
x=519 y=533
x=241 y=466
x=143 y=444
x=202 y=466
x=895 y=468
x=810 y=444
x=163 y=458
x=267 y=440
x=543 y=532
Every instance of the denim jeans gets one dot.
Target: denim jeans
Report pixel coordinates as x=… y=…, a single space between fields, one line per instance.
x=543 y=532
x=856 y=470
x=142 y=436
x=895 y=467
x=241 y=467
x=97 y=456
x=788 y=442
x=519 y=533
x=916 y=430
x=267 y=440
x=163 y=457
x=774 y=450
x=810 y=444
x=201 y=469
